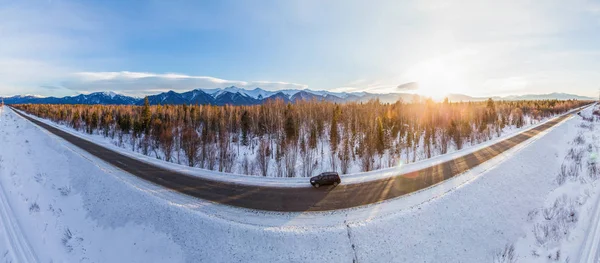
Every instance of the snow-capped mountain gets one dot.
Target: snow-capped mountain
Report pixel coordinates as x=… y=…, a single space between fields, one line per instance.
x=20 y=99
x=239 y=96
x=305 y=95
x=101 y=98
x=279 y=96
x=170 y=97
x=555 y=95
x=549 y=96
x=260 y=94
x=92 y=98
x=256 y=93
x=198 y=96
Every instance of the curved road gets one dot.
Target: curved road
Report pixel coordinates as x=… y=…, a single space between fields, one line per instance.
x=298 y=199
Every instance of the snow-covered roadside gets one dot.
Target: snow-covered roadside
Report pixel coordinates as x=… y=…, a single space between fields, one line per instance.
x=44 y=208
x=14 y=246
x=290 y=182
x=565 y=227
x=481 y=213
x=18 y=247
x=590 y=248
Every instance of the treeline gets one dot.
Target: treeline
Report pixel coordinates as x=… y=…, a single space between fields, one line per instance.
x=290 y=140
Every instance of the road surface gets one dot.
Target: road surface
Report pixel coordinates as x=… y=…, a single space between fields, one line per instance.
x=298 y=199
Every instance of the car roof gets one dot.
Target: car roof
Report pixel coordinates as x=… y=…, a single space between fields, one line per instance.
x=329 y=173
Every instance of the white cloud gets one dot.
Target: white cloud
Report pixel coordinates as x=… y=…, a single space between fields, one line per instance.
x=143 y=83
x=408 y=86
x=21 y=76
x=477 y=47
x=42 y=41
x=485 y=48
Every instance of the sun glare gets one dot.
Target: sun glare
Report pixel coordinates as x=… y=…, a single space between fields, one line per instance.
x=437 y=78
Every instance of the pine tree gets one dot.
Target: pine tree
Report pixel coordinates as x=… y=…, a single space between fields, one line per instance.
x=380 y=137
x=93 y=122
x=333 y=133
x=75 y=121
x=190 y=143
x=263 y=157
x=291 y=131
x=245 y=127
x=312 y=139
x=490 y=112
x=146 y=116
x=345 y=156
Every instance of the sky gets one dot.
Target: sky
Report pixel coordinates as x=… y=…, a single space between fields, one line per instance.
x=478 y=48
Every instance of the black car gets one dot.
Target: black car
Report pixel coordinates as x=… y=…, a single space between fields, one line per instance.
x=325 y=179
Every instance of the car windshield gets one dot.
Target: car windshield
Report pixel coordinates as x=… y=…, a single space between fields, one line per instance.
x=299 y=131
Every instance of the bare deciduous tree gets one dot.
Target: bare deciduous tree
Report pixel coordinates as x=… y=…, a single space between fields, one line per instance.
x=263 y=157
x=190 y=142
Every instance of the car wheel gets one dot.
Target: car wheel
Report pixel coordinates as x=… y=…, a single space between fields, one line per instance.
x=316 y=185
x=335 y=184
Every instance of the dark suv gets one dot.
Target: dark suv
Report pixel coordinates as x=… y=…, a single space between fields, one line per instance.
x=325 y=179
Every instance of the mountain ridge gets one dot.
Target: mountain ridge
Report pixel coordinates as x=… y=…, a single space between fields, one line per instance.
x=239 y=96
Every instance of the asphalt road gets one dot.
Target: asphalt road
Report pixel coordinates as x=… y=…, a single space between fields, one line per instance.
x=298 y=199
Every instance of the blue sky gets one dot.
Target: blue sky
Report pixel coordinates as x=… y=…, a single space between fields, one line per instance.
x=480 y=48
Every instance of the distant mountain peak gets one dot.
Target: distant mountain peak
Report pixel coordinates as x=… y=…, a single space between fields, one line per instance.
x=548 y=96
x=111 y=94
x=239 y=96
x=34 y=96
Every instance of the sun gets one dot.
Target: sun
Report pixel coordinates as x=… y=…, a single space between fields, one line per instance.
x=437 y=78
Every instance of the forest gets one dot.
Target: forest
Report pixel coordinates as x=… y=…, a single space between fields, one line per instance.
x=301 y=139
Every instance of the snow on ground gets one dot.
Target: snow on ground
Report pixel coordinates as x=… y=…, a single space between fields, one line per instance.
x=359 y=177
x=562 y=228
x=470 y=223
x=78 y=208
x=44 y=192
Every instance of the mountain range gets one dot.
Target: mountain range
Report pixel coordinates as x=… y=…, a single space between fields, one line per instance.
x=238 y=96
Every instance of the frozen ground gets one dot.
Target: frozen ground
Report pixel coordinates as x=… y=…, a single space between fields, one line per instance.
x=566 y=227
x=46 y=207
x=72 y=207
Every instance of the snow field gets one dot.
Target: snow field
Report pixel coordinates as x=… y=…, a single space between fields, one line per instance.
x=557 y=230
x=122 y=218
x=44 y=184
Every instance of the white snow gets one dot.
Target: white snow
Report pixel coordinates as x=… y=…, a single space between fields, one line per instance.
x=33 y=95
x=253 y=93
x=115 y=217
x=565 y=227
x=46 y=210
x=111 y=94
x=589 y=250
x=256 y=92
x=21 y=250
